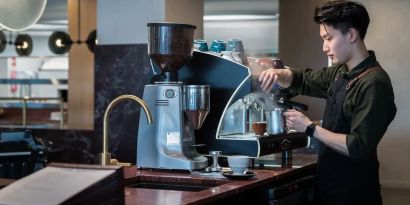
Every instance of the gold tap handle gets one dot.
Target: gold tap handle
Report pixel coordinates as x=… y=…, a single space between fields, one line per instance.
x=117 y=163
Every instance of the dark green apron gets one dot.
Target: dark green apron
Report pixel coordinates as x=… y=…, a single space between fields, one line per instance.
x=340 y=179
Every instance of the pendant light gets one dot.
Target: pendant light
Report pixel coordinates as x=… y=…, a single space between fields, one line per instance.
x=60 y=42
x=19 y=15
x=92 y=40
x=23 y=44
x=3 y=41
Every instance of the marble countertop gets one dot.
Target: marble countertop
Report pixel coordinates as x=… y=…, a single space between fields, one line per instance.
x=220 y=187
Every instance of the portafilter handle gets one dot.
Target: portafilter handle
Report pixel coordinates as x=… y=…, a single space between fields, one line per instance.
x=292 y=105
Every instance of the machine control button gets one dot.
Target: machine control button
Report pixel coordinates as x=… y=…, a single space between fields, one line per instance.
x=169 y=93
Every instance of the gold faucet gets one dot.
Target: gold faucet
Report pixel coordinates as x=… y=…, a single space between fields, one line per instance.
x=105 y=156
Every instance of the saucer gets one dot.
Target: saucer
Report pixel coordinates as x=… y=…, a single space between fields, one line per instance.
x=230 y=175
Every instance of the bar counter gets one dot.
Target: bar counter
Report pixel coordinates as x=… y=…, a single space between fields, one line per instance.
x=223 y=190
x=218 y=189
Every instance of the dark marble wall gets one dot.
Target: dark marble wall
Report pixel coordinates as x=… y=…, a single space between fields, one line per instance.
x=119 y=70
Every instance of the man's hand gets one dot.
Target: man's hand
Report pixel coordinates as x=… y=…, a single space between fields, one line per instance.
x=296 y=120
x=268 y=78
x=277 y=73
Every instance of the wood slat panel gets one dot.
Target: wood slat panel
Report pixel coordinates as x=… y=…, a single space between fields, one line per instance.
x=81 y=66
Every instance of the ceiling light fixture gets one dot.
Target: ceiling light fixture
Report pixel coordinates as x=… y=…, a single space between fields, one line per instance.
x=20 y=15
x=23 y=43
x=3 y=41
x=60 y=42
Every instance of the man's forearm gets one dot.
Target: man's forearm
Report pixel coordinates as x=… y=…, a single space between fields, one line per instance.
x=285 y=79
x=334 y=140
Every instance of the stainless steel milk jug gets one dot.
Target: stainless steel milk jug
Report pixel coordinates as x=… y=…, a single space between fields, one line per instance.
x=276 y=121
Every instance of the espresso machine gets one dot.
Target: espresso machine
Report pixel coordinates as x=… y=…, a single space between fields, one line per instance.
x=180 y=96
x=177 y=108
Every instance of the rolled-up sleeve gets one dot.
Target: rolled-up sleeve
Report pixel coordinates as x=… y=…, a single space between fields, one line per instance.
x=373 y=112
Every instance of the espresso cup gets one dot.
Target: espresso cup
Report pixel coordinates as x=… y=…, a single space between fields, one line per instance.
x=218 y=46
x=235 y=45
x=239 y=164
x=201 y=45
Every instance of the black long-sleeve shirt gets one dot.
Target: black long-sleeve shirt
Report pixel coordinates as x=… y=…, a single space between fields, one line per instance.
x=369 y=104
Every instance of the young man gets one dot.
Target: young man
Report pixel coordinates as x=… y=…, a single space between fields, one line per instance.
x=360 y=106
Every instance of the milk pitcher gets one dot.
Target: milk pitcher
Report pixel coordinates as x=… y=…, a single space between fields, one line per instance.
x=276 y=121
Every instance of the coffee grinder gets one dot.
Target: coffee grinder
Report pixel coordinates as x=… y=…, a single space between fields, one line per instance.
x=177 y=109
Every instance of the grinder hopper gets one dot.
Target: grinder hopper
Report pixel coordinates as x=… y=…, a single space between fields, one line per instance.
x=170 y=47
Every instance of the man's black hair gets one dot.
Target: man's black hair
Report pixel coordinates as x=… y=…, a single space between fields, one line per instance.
x=343 y=15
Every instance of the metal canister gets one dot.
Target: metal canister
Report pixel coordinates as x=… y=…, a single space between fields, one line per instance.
x=276 y=121
x=196 y=103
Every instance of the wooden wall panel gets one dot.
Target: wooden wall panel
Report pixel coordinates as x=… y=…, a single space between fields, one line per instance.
x=186 y=11
x=81 y=65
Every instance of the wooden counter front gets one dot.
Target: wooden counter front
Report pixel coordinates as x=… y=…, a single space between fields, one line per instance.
x=224 y=188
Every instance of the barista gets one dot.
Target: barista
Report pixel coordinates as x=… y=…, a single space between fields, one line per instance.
x=360 y=106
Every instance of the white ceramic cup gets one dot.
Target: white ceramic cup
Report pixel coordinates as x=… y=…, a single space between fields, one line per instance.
x=238 y=164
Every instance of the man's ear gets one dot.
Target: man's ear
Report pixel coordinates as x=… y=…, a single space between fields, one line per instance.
x=353 y=35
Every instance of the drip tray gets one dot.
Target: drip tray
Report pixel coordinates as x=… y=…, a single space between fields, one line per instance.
x=175 y=183
x=176 y=187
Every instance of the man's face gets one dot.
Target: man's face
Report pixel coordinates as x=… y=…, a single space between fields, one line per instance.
x=335 y=45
